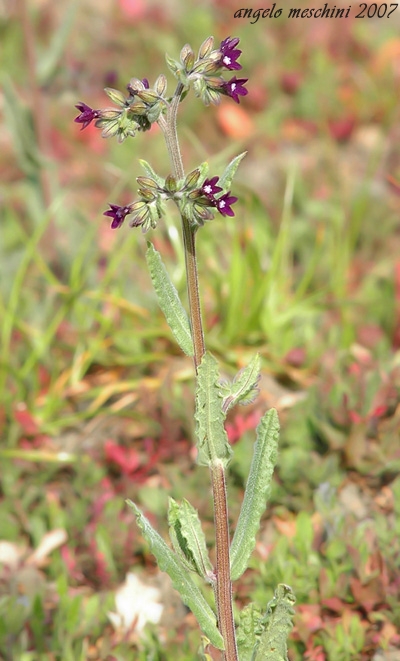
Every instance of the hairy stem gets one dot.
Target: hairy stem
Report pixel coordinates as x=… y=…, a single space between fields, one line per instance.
x=223 y=586
x=223 y=591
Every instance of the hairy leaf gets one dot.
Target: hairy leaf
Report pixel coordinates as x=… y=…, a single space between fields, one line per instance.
x=243 y=389
x=186 y=532
x=257 y=492
x=230 y=171
x=150 y=172
x=248 y=631
x=278 y=624
x=169 y=300
x=168 y=561
x=212 y=439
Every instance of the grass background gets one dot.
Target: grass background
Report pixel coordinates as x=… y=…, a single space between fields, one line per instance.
x=93 y=391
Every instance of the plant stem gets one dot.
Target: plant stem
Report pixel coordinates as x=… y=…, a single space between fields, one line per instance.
x=223 y=591
x=171 y=138
x=223 y=586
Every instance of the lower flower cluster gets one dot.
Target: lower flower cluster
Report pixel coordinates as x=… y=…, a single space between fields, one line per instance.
x=196 y=203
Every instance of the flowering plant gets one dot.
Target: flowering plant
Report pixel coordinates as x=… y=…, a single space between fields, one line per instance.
x=198 y=196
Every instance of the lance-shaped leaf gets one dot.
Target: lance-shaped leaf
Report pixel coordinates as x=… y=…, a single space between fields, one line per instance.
x=168 y=561
x=243 y=389
x=212 y=439
x=230 y=171
x=248 y=631
x=169 y=300
x=188 y=539
x=278 y=624
x=150 y=172
x=257 y=492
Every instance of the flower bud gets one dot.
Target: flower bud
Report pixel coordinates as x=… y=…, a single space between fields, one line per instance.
x=170 y=184
x=116 y=96
x=206 y=47
x=148 y=96
x=147 y=194
x=192 y=179
x=205 y=67
x=110 y=113
x=110 y=129
x=161 y=85
x=138 y=108
x=187 y=57
x=215 y=82
x=147 y=182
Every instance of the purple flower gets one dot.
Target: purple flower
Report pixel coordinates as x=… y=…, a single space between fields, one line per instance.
x=224 y=204
x=235 y=88
x=87 y=115
x=210 y=188
x=230 y=54
x=117 y=214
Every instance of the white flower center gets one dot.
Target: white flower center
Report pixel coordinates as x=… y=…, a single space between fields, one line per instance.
x=233 y=87
x=226 y=60
x=207 y=189
x=221 y=204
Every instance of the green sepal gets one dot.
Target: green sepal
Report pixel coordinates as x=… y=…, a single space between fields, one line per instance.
x=248 y=631
x=188 y=539
x=277 y=626
x=172 y=65
x=243 y=389
x=226 y=179
x=169 y=562
x=212 y=439
x=116 y=96
x=169 y=300
x=257 y=492
x=150 y=173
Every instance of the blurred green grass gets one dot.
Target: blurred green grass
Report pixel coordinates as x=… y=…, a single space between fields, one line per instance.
x=308 y=264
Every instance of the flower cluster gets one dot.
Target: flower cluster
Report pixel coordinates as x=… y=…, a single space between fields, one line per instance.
x=143 y=106
x=197 y=203
x=135 y=112
x=196 y=196
x=204 y=73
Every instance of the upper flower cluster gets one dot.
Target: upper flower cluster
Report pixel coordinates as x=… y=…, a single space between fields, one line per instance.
x=204 y=73
x=143 y=105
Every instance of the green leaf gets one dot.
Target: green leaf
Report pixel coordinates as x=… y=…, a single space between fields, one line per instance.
x=204 y=168
x=229 y=172
x=243 y=389
x=278 y=624
x=248 y=631
x=151 y=173
x=168 y=561
x=172 y=65
x=212 y=439
x=169 y=300
x=188 y=539
x=257 y=492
